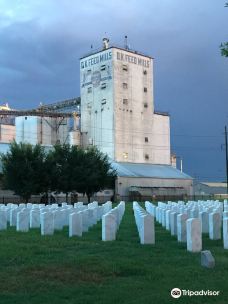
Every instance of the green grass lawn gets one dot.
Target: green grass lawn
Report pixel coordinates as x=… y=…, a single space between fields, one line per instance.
x=57 y=269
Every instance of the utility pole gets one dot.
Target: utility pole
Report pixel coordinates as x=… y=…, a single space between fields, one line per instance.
x=226 y=160
x=181 y=164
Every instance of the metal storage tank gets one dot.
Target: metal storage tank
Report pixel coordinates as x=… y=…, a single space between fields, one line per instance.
x=41 y=130
x=31 y=129
x=74 y=138
x=19 y=124
x=46 y=126
x=62 y=134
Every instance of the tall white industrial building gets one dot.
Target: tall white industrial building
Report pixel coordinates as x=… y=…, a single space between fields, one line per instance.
x=117 y=107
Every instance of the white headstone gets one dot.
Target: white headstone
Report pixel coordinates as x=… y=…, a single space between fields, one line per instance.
x=59 y=219
x=3 y=219
x=147 y=235
x=181 y=227
x=167 y=220
x=225 y=214
x=47 y=223
x=194 y=213
x=108 y=227
x=64 y=217
x=75 y=224
x=91 y=218
x=204 y=217
x=215 y=226
x=85 y=220
x=163 y=215
x=13 y=216
x=35 y=218
x=173 y=223
x=23 y=221
x=225 y=233
x=194 y=235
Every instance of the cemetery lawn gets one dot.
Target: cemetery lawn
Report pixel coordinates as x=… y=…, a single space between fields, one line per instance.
x=37 y=269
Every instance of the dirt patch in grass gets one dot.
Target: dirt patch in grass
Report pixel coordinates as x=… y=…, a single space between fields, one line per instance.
x=65 y=274
x=53 y=276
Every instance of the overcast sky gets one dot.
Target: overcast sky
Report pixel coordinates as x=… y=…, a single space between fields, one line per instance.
x=41 y=42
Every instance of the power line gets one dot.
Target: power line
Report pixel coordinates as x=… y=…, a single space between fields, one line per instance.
x=133 y=132
x=147 y=132
x=30 y=134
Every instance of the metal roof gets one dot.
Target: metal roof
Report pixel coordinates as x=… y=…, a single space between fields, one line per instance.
x=148 y=170
x=215 y=184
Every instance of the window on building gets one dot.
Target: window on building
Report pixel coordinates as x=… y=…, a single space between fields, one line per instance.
x=125 y=101
x=125 y=67
x=145 y=105
x=125 y=85
x=103 y=67
x=103 y=102
x=145 y=89
x=145 y=72
x=89 y=90
x=146 y=139
x=125 y=155
x=103 y=86
x=147 y=156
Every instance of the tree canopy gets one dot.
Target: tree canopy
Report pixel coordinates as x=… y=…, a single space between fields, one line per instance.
x=224 y=46
x=73 y=169
x=58 y=169
x=23 y=169
x=29 y=170
x=97 y=172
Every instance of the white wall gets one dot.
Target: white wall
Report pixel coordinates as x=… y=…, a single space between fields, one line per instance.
x=97 y=101
x=7 y=133
x=160 y=140
x=133 y=121
x=123 y=184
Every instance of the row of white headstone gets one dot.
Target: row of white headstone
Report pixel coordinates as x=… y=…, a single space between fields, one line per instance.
x=188 y=221
x=49 y=218
x=145 y=224
x=111 y=222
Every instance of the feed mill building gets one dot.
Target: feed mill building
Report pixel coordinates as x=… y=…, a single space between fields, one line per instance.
x=118 y=116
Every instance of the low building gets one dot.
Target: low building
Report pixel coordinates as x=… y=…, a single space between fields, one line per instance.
x=149 y=180
x=210 y=188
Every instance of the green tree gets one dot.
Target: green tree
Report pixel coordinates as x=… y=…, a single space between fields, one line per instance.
x=224 y=46
x=97 y=173
x=77 y=165
x=23 y=170
x=59 y=169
